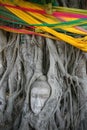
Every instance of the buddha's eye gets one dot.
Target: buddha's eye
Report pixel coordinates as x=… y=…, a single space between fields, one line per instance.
x=44 y=96
x=34 y=95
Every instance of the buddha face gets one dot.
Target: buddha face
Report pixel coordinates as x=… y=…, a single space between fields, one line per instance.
x=39 y=96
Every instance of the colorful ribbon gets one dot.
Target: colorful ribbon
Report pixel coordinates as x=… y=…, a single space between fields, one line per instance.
x=20 y=13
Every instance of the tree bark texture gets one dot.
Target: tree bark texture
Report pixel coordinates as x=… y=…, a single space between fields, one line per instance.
x=39 y=62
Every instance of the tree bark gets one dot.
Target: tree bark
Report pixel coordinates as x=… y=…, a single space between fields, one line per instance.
x=61 y=66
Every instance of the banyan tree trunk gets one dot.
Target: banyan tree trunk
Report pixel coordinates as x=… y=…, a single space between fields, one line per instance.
x=43 y=82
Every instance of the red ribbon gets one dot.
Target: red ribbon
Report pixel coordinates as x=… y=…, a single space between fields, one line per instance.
x=24 y=9
x=69 y=15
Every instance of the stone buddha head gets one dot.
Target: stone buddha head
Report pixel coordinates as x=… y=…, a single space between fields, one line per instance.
x=40 y=92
